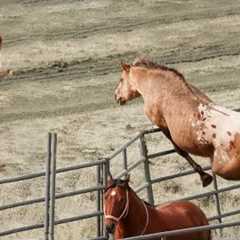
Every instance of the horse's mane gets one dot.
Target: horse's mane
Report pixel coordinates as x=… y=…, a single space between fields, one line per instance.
x=144 y=62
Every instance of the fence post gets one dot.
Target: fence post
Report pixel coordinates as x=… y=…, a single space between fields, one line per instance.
x=144 y=155
x=106 y=172
x=100 y=223
x=47 y=187
x=53 y=186
x=125 y=163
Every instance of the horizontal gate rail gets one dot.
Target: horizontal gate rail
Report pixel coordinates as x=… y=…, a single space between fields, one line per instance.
x=225 y=215
x=130 y=168
x=184 y=231
x=182 y=174
x=121 y=149
x=21 y=229
x=60 y=170
x=163 y=153
x=77 y=218
x=206 y=194
x=22 y=178
x=57 y=196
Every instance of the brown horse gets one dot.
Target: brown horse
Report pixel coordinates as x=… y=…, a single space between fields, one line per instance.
x=192 y=122
x=127 y=215
x=3 y=72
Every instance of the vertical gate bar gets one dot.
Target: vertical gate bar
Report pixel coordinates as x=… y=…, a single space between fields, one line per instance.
x=105 y=174
x=144 y=155
x=101 y=197
x=47 y=187
x=218 y=205
x=53 y=186
x=99 y=219
x=125 y=163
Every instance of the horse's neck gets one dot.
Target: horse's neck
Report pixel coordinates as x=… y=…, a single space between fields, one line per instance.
x=135 y=221
x=158 y=87
x=162 y=91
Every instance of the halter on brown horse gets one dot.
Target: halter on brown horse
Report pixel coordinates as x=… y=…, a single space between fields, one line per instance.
x=187 y=117
x=127 y=215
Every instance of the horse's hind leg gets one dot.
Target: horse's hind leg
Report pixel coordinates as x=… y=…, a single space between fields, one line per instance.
x=205 y=177
x=226 y=163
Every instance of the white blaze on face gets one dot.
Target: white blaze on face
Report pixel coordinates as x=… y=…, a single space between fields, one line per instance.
x=217 y=124
x=113 y=193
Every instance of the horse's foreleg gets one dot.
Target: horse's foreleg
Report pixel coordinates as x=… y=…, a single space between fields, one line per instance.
x=205 y=177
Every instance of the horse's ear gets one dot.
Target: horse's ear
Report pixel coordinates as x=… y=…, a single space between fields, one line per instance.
x=127 y=179
x=126 y=67
x=109 y=179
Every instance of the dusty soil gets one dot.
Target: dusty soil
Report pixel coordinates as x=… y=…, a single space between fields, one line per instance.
x=65 y=57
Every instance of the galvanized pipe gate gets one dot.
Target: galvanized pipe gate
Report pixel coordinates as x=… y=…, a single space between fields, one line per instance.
x=50 y=173
x=102 y=169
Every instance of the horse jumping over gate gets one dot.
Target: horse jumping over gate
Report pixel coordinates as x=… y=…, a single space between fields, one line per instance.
x=127 y=215
x=187 y=117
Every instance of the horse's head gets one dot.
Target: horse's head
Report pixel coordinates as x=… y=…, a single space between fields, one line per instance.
x=125 y=90
x=116 y=202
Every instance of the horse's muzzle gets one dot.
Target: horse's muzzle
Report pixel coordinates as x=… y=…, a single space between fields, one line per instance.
x=119 y=100
x=110 y=228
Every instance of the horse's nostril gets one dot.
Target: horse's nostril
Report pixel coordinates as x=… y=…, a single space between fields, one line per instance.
x=110 y=227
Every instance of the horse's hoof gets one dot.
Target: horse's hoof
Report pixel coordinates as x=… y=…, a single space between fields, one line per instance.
x=206 y=179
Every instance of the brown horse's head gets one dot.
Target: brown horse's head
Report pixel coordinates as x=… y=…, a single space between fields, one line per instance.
x=125 y=90
x=116 y=202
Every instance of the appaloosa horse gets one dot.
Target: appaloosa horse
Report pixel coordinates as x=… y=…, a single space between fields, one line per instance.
x=3 y=72
x=127 y=215
x=192 y=122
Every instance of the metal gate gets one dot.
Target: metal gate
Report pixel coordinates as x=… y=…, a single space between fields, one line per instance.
x=102 y=167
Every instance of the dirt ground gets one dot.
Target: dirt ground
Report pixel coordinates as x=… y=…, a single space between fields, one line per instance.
x=66 y=55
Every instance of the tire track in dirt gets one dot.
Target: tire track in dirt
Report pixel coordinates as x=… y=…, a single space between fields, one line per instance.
x=110 y=64
x=223 y=86
x=125 y=25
